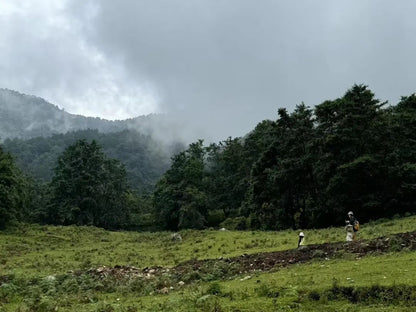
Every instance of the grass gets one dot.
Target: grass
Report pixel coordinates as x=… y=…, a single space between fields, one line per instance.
x=29 y=253
x=287 y=289
x=35 y=250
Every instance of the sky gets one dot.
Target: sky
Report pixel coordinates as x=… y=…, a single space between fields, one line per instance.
x=216 y=67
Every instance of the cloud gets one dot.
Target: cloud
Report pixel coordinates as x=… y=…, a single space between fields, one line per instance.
x=226 y=65
x=217 y=67
x=43 y=52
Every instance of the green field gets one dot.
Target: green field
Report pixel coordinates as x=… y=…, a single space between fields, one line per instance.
x=44 y=268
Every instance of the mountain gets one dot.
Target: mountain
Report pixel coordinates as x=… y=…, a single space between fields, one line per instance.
x=27 y=116
x=35 y=132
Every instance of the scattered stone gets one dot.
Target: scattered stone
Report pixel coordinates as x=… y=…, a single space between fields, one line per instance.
x=164 y=291
x=50 y=278
x=176 y=237
x=245 y=278
x=181 y=283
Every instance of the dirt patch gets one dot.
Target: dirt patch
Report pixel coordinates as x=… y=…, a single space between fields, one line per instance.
x=212 y=269
x=273 y=260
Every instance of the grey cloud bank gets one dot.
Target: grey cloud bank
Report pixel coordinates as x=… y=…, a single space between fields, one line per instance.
x=216 y=67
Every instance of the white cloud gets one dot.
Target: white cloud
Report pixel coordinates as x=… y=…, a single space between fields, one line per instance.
x=45 y=53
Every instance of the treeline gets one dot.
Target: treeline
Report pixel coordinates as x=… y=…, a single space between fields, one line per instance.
x=306 y=169
x=87 y=188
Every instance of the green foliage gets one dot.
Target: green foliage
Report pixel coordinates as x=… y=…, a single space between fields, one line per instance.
x=14 y=191
x=306 y=169
x=180 y=199
x=144 y=158
x=88 y=188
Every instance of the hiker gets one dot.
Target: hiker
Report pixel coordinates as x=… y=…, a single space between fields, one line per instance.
x=350 y=231
x=301 y=241
x=354 y=222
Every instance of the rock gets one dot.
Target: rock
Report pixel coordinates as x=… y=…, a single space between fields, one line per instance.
x=181 y=283
x=245 y=278
x=164 y=290
x=223 y=229
x=176 y=237
x=50 y=278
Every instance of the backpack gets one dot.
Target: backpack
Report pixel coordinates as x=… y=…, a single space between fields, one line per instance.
x=356 y=226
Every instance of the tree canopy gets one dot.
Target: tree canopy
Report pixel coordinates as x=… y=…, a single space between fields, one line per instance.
x=88 y=188
x=305 y=169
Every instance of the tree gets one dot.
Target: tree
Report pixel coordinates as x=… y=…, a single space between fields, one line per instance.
x=13 y=192
x=347 y=140
x=180 y=196
x=283 y=191
x=88 y=188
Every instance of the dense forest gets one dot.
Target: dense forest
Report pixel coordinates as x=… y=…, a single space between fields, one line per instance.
x=305 y=169
x=145 y=158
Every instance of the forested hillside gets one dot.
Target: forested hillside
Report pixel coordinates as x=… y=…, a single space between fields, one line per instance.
x=145 y=159
x=305 y=169
x=26 y=116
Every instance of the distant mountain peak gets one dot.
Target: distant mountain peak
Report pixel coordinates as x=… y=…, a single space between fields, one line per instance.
x=26 y=116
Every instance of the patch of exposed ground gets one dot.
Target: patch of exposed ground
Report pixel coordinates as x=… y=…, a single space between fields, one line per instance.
x=212 y=269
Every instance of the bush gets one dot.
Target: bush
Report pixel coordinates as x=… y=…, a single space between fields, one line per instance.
x=214 y=289
x=215 y=217
x=267 y=291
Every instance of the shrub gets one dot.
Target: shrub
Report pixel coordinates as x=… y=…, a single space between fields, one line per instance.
x=267 y=291
x=215 y=217
x=214 y=289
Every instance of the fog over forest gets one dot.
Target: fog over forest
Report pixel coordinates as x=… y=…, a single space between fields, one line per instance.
x=216 y=68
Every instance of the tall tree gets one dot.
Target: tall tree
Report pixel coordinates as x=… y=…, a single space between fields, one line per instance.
x=13 y=191
x=180 y=197
x=346 y=144
x=88 y=188
x=282 y=191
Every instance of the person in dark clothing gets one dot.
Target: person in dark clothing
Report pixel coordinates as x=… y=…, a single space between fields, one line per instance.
x=354 y=222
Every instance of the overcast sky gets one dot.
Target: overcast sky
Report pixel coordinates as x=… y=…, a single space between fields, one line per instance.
x=218 y=66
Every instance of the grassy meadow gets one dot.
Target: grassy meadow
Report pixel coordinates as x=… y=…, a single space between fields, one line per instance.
x=40 y=271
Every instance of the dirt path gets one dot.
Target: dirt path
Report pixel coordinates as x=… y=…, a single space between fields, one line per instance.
x=273 y=260
x=266 y=261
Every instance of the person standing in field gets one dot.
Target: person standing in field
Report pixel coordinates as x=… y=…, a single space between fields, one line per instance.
x=354 y=222
x=301 y=241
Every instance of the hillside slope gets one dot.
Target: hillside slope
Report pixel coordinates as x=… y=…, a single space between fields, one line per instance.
x=26 y=116
x=89 y=269
x=145 y=158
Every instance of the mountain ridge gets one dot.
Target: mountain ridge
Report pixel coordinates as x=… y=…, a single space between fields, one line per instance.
x=42 y=118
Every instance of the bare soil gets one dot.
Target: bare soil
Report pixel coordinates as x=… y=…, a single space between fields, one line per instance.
x=265 y=261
